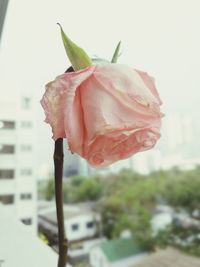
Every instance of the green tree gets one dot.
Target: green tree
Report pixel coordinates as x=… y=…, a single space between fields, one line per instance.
x=127 y=204
x=181 y=189
x=80 y=189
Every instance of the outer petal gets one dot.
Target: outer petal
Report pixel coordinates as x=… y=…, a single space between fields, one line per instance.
x=58 y=100
x=149 y=81
x=107 y=149
x=53 y=103
x=127 y=81
x=73 y=113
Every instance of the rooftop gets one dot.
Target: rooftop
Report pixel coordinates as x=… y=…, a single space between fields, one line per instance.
x=169 y=258
x=118 y=249
x=48 y=210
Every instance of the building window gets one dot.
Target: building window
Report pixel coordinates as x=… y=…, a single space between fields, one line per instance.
x=27 y=221
x=7 y=149
x=26 y=124
x=7 y=199
x=7 y=174
x=75 y=227
x=26 y=103
x=26 y=171
x=25 y=196
x=26 y=148
x=90 y=225
x=7 y=125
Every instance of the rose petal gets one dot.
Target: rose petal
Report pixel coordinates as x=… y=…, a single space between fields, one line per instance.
x=150 y=83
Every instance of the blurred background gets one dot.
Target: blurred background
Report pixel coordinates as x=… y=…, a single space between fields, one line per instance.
x=142 y=211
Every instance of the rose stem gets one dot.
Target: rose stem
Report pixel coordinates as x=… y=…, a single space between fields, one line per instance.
x=58 y=165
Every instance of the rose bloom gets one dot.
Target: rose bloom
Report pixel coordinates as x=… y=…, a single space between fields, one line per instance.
x=107 y=112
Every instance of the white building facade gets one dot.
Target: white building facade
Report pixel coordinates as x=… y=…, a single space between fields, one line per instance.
x=82 y=226
x=17 y=158
x=81 y=222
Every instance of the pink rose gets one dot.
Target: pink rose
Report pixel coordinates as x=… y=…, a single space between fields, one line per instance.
x=107 y=112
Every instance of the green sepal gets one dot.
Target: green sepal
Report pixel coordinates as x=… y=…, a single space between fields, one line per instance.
x=77 y=56
x=116 y=53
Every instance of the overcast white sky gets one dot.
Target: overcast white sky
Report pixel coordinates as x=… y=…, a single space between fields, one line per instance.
x=161 y=37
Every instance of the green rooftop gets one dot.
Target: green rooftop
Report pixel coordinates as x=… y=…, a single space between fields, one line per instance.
x=118 y=249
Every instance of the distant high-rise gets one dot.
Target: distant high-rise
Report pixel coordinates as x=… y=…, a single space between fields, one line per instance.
x=17 y=150
x=178 y=134
x=17 y=157
x=74 y=164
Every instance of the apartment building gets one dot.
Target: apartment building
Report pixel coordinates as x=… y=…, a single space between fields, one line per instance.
x=17 y=157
